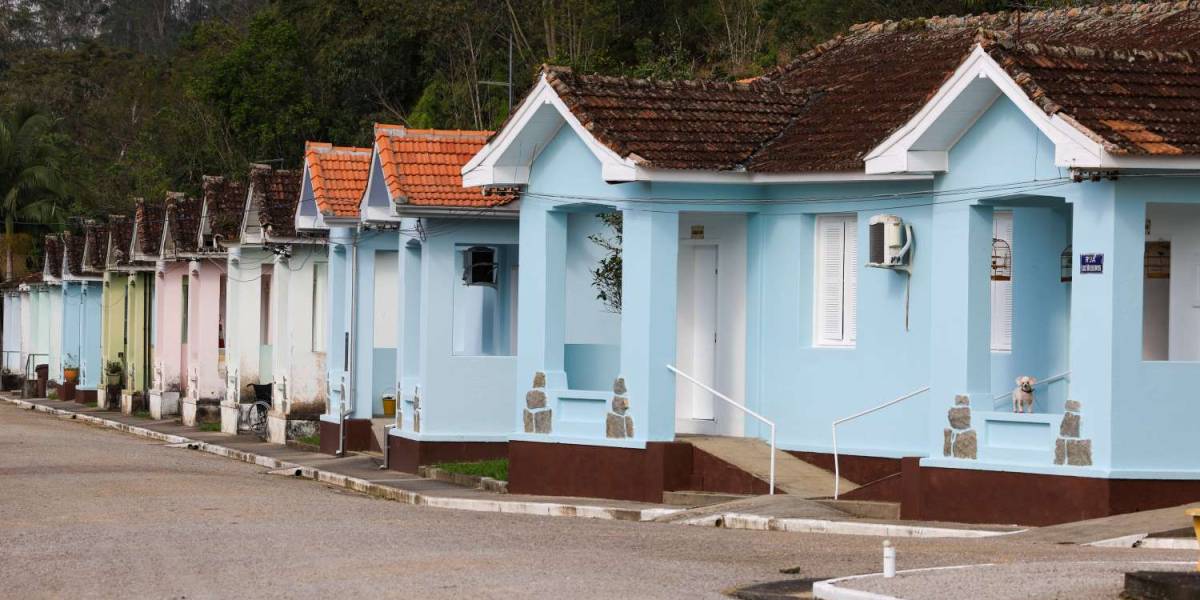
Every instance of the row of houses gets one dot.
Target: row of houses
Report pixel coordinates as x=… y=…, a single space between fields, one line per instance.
x=856 y=256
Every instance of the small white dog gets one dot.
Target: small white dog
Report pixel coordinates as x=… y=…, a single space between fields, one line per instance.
x=1023 y=395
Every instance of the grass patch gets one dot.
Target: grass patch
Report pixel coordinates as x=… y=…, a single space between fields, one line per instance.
x=311 y=440
x=52 y=395
x=209 y=426
x=496 y=468
x=90 y=405
x=144 y=414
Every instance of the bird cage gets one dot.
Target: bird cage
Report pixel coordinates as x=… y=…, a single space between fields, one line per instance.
x=1001 y=260
x=1065 y=265
x=1158 y=260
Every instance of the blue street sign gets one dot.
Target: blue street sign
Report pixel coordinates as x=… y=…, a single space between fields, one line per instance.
x=1091 y=263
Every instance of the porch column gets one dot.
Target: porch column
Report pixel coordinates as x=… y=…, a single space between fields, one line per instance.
x=650 y=245
x=281 y=333
x=341 y=241
x=1105 y=307
x=960 y=331
x=541 y=313
x=363 y=335
x=408 y=337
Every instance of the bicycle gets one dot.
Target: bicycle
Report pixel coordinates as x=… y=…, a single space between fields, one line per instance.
x=256 y=420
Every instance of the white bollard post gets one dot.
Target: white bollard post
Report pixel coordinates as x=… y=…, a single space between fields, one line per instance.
x=889 y=559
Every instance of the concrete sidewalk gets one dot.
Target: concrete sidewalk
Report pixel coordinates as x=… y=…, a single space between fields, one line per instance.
x=361 y=472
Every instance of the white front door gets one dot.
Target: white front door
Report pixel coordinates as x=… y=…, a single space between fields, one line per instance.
x=704 y=328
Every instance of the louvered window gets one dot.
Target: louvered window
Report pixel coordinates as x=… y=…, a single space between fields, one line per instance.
x=837 y=280
x=1002 y=299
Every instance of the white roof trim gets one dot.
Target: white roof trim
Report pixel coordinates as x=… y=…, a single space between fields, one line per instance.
x=901 y=152
x=316 y=221
x=484 y=169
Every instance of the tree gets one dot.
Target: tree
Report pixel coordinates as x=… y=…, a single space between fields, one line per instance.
x=30 y=185
x=606 y=277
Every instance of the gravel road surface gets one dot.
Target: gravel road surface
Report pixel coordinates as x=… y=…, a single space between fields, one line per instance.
x=91 y=513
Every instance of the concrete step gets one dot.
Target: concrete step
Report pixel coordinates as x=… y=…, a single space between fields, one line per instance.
x=866 y=509
x=690 y=498
x=752 y=455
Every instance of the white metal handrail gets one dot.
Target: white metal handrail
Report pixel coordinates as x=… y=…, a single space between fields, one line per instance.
x=768 y=422
x=1008 y=395
x=837 y=470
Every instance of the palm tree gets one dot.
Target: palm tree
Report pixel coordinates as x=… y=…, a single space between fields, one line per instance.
x=30 y=183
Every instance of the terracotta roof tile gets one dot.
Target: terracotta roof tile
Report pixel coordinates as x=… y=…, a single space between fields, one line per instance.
x=338 y=176
x=183 y=219
x=224 y=201
x=827 y=109
x=95 y=246
x=120 y=235
x=423 y=167
x=52 y=255
x=150 y=216
x=73 y=252
x=679 y=124
x=276 y=193
x=1135 y=102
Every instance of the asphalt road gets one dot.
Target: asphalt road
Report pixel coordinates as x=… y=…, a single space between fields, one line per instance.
x=87 y=512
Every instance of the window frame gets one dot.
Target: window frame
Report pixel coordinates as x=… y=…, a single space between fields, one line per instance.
x=849 y=280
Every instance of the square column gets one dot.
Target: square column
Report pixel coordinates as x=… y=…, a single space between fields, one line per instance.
x=650 y=250
x=1105 y=307
x=281 y=334
x=408 y=338
x=541 y=313
x=960 y=330
x=341 y=242
x=363 y=336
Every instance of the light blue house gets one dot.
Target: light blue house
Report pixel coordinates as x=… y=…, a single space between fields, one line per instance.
x=360 y=368
x=455 y=292
x=81 y=295
x=900 y=223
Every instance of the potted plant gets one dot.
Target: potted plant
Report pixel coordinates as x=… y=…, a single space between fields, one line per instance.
x=71 y=369
x=113 y=370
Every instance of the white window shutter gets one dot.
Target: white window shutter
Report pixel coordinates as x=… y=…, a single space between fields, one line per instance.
x=1002 y=300
x=831 y=232
x=850 y=287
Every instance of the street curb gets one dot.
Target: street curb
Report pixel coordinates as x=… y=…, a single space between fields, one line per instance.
x=829 y=590
x=549 y=509
x=516 y=507
x=797 y=525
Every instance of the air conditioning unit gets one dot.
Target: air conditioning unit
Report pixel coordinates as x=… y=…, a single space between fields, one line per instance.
x=891 y=242
x=479 y=266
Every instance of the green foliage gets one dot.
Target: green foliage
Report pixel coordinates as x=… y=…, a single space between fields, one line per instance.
x=606 y=277
x=147 y=97
x=496 y=469
x=211 y=427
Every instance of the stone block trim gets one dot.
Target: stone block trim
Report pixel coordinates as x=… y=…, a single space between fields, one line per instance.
x=416 y=410
x=1069 y=448
x=537 y=417
x=959 y=440
x=617 y=423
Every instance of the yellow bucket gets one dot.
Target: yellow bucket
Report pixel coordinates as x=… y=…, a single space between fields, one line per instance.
x=389 y=406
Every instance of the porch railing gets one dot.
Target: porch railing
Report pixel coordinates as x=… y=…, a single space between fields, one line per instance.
x=769 y=423
x=837 y=469
x=999 y=401
x=31 y=364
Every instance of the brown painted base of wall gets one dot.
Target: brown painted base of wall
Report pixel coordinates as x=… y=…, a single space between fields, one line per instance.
x=406 y=455
x=358 y=436
x=622 y=473
x=880 y=477
x=85 y=396
x=972 y=496
x=66 y=392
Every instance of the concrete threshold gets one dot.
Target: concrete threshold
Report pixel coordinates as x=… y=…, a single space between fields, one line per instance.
x=497 y=503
